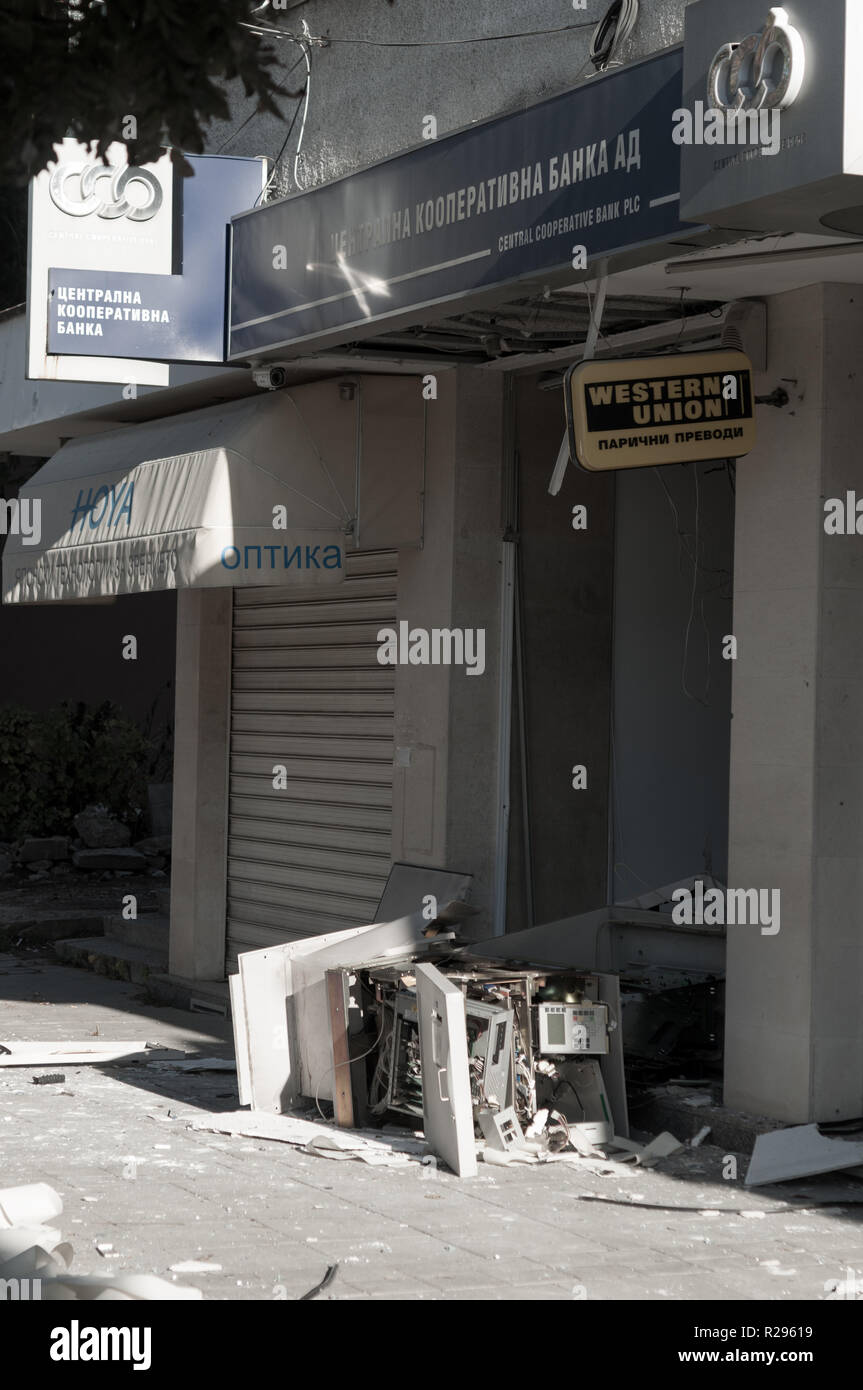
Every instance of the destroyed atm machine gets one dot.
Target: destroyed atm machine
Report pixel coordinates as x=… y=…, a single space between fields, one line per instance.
x=384 y=1022
x=540 y=1049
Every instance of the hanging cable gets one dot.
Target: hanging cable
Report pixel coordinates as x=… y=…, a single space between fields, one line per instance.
x=279 y=88
x=326 y=40
x=307 y=53
x=265 y=190
x=611 y=33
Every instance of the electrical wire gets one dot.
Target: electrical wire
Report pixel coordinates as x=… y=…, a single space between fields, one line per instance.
x=561 y=1122
x=265 y=190
x=330 y=1071
x=380 y=1079
x=307 y=40
x=256 y=112
x=307 y=53
x=611 y=33
x=325 y=40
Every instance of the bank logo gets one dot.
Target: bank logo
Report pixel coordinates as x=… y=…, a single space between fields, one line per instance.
x=82 y=189
x=762 y=70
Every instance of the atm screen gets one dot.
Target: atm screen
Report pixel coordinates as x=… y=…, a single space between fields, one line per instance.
x=556 y=1028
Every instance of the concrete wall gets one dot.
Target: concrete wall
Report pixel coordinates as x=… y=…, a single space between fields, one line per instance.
x=368 y=102
x=794 y=1025
x=476 y=602
x=445 y=779
x=365 y=104
x=672 y=688
x=200 y=814
x=36 y=416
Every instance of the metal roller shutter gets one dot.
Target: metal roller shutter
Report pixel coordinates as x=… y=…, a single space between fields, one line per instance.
x=308 y=692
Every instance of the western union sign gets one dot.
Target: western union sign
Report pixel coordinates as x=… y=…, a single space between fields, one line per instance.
x=652 y=410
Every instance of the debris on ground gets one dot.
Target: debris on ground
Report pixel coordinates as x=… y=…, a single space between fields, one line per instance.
x=323 y=1139
x=32 y=1251
x=324 y=1284
x=525 y=1061
x=196 y=1267
x=803 y=1151
x=81 y=1052
x=196 y=1064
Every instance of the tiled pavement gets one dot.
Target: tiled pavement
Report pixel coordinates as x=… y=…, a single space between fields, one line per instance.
x=115 y=1143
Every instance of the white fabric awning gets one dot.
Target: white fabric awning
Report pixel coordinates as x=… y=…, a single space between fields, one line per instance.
x=184 y=502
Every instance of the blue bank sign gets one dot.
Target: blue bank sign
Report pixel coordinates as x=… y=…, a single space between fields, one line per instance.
x=464 y=216
x=176 y=317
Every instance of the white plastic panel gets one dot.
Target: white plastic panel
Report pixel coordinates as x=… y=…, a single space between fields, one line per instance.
x=447 y=1109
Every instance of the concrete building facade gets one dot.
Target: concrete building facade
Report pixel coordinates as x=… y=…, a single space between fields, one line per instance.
x=605 y=646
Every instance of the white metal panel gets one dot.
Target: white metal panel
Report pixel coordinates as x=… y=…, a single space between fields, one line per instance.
x=279 y=1034
x=611 y=1064
x=241 y=1039
x=447 y=1107
x=262 y=1039
x=309 y=694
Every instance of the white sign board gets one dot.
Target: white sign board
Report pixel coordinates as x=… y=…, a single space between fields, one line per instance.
x=86 y=215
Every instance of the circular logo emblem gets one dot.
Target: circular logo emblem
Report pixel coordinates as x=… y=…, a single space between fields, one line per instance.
x=82 y=189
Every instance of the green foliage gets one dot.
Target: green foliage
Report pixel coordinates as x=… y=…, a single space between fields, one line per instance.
x=79 y=68
x=53 y=765
x=17 y=744
x=158 y=730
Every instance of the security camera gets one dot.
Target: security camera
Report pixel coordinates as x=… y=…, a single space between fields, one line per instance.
x=270 y=378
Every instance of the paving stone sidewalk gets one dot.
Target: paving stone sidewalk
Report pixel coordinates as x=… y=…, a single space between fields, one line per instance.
x=115 y=1142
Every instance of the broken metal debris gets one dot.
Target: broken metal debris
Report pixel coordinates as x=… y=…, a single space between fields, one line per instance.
x=318 y=1138
x=82 y=1053
x=195 y=1267
x=30 y=1205
x=805 y=1150
x=502 y=1130
x=500 y=1060
x=195 y=1064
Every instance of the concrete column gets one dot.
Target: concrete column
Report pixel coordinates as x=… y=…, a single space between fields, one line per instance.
x=200 y=818
x=794 y=1026
x=445 y=784
x=474 y=703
